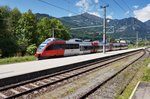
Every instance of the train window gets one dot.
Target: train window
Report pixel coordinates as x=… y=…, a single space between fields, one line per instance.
x=85 y=48
x=41 y=47
x=81 y=48
x=59 y=46
x=50 y=47
x=62 y=46
x=97 y=47
x=88 y=47
x=77 y=46
x=78 y=40
x=67 y=46
x=72 y=46
x=56 y=47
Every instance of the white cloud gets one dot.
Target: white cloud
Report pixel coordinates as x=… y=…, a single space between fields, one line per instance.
x=89 y=6
x=135 y=6
x=83 y=5
x=109 y=16
x=143 y=14
x=95 y=13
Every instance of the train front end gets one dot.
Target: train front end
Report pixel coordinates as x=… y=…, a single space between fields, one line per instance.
x=41 y=49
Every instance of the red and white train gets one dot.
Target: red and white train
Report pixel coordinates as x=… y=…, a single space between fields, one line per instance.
x=52 y=47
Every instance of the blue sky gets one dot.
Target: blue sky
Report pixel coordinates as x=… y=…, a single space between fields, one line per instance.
x=135 y=8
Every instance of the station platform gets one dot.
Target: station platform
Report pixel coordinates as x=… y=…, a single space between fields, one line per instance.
x=11 y=71
x=141 y=91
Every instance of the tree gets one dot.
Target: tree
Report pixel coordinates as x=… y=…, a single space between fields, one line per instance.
x=7 y=45
x=26 y=31
x=23 y=32
x=59 y=29
x=15 y=15
x=46 y=26
x=43 y=29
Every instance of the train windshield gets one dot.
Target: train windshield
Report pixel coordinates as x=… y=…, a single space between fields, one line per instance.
x=46 y=42
x=41 y=47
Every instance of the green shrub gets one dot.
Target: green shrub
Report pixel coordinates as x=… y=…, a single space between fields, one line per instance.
x=31 y=49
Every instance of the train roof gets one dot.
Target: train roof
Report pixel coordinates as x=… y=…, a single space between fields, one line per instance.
x=75 y=40
x=50 y=40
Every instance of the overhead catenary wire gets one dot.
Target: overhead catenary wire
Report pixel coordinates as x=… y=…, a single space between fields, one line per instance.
x=133 y=21
x=55 y=6
x=68 y=1
x=124 y=9
x=119 y=5
x=86 y=27
x=61 y=8
x=64 y=10
x=109 y=5
x=68 y=10
x=129 y=9
x=127 y=6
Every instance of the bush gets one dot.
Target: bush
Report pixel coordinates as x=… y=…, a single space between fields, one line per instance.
x=16 y=59
x=31 y=49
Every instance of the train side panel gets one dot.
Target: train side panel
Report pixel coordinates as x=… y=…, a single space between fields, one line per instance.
x=85 y=47
x=71 y=49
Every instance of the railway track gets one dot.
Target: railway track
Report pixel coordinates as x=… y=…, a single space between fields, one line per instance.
x=105 y=89
x=24 y=90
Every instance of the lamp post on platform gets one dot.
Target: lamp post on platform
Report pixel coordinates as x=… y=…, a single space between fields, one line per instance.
x=104 y=28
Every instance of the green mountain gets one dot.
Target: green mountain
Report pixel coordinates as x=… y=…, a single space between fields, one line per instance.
x=39 y=16
x=126 y=28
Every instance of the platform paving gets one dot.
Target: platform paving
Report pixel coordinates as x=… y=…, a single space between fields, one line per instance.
x=11 y=70
x=142 y=91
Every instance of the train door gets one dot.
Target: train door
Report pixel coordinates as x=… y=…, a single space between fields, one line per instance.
x=50 y=51
x=71 y=49
x=59 y=49
x=67 y=50
x=76 y=49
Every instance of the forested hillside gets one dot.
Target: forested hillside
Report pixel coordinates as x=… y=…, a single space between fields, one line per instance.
x=21 y=33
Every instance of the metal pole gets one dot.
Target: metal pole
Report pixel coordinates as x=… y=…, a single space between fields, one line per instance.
x=53 y=32
x=137 y=39
x=104 y=28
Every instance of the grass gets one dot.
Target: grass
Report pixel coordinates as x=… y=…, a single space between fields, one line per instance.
x=146 y=75
x=130 y=46
x=142 y=75
x=11 y=60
